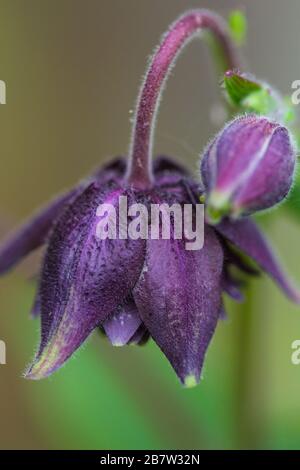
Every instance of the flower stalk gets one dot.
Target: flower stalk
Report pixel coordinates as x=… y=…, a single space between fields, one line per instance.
x=181 y=32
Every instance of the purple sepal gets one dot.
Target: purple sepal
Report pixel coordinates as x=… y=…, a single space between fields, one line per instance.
x=246 y=236
x=84 y=279
x=33 y=234
x=178 y=297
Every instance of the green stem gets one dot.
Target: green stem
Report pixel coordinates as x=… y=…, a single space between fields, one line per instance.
x=250 y=390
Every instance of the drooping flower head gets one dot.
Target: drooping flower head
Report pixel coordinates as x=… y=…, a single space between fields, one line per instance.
x=134 y=288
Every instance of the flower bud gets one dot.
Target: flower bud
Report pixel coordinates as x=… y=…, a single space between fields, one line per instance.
x=248 y=167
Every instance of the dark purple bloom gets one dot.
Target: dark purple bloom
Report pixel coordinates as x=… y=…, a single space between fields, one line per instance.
x=248 y=167
x=135 y=288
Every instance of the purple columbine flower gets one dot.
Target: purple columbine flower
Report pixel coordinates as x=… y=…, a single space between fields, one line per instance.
x=133 y=289
x=248 y=167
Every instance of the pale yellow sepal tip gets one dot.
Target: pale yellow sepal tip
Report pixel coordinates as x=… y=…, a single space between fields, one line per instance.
x=190 y=381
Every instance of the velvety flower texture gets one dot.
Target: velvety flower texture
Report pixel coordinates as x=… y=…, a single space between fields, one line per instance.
x=134 y=289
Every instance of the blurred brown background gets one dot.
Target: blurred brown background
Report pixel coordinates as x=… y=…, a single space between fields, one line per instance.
x=72 y=70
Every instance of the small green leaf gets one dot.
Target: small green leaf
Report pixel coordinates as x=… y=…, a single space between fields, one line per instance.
x=296 y=134
x=238 y=86
x=290 y=115
x=246 y=94
x=293 y=199
x=238 y=26
x=260 y=102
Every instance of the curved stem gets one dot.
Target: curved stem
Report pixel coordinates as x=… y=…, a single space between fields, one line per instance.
x=139 y=172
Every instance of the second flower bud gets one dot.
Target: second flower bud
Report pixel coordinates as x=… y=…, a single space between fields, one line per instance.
x=248 y=167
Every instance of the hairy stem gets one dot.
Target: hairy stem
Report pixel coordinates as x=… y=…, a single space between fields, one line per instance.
x=188 y=26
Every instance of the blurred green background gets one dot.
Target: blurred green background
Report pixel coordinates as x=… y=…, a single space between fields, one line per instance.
x=72 y=70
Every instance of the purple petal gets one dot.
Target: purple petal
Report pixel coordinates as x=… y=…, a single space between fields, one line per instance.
x=174 y=178
x=266 y=187
x=36 y=307
x=222 y=312
x=140 y=337
x=233 y=155
x=246 y=236
x=112 y=171
x=178 y=297
x=236 y=259
x=231 y=287
x=163 y=165
x=84 y=279
x=121 y=326
x=33 y=233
